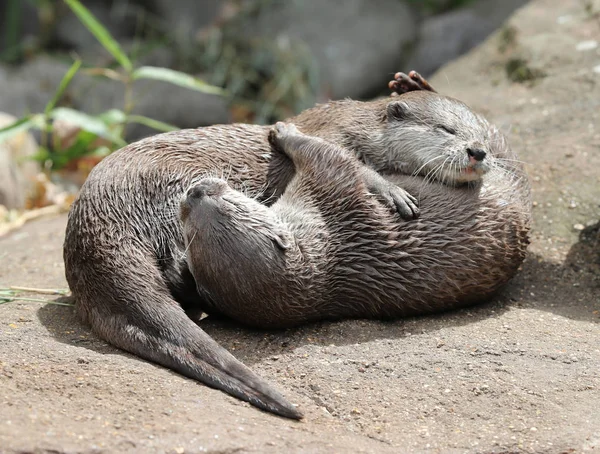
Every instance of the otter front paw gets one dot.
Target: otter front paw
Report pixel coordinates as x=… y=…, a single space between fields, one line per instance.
x=403 y=83
x=401 y=201
x=394 y=197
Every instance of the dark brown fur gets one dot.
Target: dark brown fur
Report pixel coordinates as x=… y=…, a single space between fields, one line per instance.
x=327 y=250
x=124 y=248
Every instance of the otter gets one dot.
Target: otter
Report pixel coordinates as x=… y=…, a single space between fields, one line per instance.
x=327 y=250
x=124 y=250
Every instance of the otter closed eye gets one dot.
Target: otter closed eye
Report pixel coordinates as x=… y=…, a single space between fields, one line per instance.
x=446 y=129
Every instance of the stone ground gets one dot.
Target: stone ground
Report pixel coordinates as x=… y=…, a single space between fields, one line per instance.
x=518 y=374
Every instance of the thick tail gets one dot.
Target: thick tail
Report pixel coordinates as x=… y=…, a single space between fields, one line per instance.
x=149 y=323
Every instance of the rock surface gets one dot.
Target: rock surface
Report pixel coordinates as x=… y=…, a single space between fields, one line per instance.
x=518 y=374
x=446 y=36
x=356 y=47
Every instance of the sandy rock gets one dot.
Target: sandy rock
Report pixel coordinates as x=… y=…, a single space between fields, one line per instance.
x=518 y=374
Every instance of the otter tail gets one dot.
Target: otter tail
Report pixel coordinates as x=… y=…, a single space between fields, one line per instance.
x=134 y=311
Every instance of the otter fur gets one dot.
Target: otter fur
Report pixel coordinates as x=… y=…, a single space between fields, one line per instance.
x=327 y=250
x=125 y=253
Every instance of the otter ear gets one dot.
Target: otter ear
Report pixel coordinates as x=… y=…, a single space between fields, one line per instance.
x=397 y=110
x=281 y=239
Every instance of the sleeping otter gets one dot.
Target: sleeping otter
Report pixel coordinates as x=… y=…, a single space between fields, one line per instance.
x=124 y=250
x=327 y=250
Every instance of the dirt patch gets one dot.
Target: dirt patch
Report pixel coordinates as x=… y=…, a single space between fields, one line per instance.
x=518 y=374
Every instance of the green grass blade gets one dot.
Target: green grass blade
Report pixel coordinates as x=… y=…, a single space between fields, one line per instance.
x=64 y=83
x=22 y=124
x=113 y=117
x=176 y=78
x=87 y=123
x=101 y=33
x=12 y=25
x=151 y=123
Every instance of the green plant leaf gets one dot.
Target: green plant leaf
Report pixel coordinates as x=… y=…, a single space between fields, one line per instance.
x=22 y=124
x=176 y=78
x=101 y=33
x=41 y=155
x=64 y=83
x=87 y=123
x=113 y=117
x=151 y=123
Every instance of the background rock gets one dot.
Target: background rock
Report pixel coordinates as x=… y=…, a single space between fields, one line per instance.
x=29 y=87
x=183 y=18
x=117 y=17
x=446 y=36
x=357 y=44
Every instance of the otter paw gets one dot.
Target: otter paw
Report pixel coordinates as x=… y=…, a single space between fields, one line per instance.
x=403 y=83
x=400 y=201
x=280 y=133
x=284 y=130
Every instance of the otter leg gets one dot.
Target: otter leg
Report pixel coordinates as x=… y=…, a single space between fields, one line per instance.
x=403 y=83
x=130 y=306
x=307 y=152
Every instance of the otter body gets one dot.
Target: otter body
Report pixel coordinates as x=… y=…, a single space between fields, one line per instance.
x=327 y=250
x=125 y=253
x=124 y=250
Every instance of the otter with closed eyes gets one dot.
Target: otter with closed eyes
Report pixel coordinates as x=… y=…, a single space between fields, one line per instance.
x=125 y=252
x=327 y=250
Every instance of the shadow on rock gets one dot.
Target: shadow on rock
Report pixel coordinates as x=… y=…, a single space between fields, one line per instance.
x=63 y=324
x=570 y=290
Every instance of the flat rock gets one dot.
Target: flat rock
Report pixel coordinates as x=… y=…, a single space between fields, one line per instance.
x=518 y=374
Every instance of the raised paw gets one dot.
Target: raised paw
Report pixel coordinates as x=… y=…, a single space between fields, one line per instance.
x=280 y=133
x=284 y=130
x=399 y=200
x=404 y=83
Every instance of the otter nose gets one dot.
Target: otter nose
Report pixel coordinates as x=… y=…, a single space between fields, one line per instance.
x=476 y=153
x=196 y=192
x=207 y=187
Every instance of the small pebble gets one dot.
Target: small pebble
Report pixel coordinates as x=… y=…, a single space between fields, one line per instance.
x=579 y=227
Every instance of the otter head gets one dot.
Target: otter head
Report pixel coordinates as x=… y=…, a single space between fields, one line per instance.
x=438 y=137
x=231 y=239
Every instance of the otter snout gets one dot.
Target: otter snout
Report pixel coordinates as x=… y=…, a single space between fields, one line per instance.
x=208 y=187
x=206 y=190
x=476 y=154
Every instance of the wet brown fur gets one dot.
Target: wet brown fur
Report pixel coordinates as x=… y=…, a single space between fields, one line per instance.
x=345 y=255
x=124 y=248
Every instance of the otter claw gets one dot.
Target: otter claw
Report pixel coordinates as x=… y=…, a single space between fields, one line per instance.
x=403 y=83
x=405 y=204
x=399 y=201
